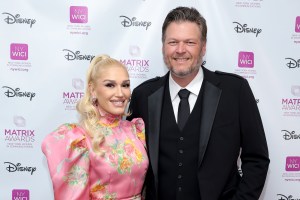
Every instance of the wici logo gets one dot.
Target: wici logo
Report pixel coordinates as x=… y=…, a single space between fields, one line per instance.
x=292 y=163
x=78 y=14
x=246 y=59
x=18 y=51
x=297 y=25
x=20 y=194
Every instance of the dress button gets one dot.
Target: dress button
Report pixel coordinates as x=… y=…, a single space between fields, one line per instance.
x=180 y=151
x=179 y=176
x=181 y=138
x=180 y=164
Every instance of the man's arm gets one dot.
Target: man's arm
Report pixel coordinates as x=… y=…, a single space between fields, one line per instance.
x=254 y=155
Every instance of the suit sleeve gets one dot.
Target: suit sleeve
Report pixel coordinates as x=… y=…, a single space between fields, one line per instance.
x=254 y=150
x=133 y=107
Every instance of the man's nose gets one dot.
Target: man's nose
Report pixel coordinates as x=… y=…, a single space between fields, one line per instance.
x=180 y=47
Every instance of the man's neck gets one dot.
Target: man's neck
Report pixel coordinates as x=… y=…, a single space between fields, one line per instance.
x=184 y=81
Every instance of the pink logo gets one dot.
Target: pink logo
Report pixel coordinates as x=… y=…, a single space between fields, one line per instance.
x=246 y=59
x=20 y=194
x=78 y=14
x=292 y=163
x=18 y=51
x=78 y=83
x=297 y=25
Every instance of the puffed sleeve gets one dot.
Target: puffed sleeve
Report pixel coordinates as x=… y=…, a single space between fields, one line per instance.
x=140 y=129
x=68 y=162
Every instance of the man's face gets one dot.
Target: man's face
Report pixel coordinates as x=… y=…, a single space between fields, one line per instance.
x=183 y=49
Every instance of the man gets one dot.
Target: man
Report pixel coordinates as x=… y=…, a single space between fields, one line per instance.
x=194 y=155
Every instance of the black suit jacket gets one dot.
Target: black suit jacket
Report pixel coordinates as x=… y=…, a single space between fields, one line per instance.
x=230 y=126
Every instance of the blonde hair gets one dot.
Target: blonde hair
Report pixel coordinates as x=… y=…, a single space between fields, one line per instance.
x=89 y=114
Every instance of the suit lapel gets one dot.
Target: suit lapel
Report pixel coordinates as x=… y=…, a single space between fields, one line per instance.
x=211 y=97
x=155 y=102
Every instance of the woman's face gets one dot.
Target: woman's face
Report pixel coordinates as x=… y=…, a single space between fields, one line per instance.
x=112 y=89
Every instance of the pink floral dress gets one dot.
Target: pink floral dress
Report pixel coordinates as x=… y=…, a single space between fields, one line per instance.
x=78 y=173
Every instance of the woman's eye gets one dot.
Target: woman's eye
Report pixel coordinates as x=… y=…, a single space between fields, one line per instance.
x=109 y=85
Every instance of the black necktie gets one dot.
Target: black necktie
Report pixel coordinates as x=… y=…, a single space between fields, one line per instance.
x=183 y=108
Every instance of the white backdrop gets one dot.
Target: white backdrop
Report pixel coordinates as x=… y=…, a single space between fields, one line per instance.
x=46 y=47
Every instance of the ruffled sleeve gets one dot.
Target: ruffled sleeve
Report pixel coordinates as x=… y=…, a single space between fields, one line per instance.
x=68 y=162
x=140 y=129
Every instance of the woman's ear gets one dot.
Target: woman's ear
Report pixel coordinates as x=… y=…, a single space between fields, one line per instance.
x=91 y=89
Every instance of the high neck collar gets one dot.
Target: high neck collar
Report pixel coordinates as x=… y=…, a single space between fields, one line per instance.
x=110 y=120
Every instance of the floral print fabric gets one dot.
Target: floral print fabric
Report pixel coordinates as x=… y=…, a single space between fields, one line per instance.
x=78 y=173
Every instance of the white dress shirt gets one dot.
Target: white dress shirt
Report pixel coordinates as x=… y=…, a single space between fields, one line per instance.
x=194 y=87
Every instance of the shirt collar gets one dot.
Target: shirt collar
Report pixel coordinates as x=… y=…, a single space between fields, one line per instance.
x=194 y=86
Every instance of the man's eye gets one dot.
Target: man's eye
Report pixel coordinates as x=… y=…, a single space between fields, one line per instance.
x=172 y=43
x=191 y=43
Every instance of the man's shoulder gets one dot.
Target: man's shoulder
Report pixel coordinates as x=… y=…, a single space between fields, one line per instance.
x=229 y=75
x=150 y=83
x=229 y=78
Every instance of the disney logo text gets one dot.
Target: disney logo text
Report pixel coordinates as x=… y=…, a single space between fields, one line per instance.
x=290 y=135
x=16 y=93
x=17 y=167
x=292 y=63
x=76 y=56
x=11 y=19
x=127 y=22
x=243 y=29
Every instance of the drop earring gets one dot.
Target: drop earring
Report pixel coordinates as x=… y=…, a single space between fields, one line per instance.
x=94 y=101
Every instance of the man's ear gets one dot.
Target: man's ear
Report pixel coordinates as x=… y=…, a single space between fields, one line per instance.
x=203 y=50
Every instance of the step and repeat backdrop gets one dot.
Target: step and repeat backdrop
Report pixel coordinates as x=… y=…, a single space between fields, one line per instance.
x=46 y=47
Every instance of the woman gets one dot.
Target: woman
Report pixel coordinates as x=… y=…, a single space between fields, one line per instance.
x=102 y=157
